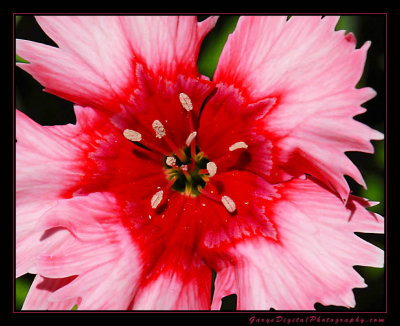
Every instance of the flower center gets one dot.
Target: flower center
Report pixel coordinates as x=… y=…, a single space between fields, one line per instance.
x=187 y=169
x=189 y=173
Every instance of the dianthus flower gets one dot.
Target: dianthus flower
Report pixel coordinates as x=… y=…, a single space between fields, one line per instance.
x=167 y=176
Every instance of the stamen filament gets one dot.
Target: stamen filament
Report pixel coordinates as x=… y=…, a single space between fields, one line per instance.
x=190 y=138
x=184 y=169
x=209 y=195
x=136 y=137
x=226 y=201
x=193 y=150
x=161 y=195
x=188 y=106
x=190 y=118
x=211 y=170
x=159 y=129
x=171 y=161
x=236 y=146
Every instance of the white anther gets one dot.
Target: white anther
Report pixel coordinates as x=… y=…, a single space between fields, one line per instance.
x=158 y=128
x=238 y=145
x=211 y=168
x=228 y=203
x=132 y=135
x=184 y=167
x=171 y=161
x=186 y=102
x=156 y=199
x=190 y=138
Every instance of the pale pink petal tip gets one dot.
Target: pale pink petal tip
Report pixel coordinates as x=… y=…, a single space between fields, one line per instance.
x=313 y=260
x=315 y=70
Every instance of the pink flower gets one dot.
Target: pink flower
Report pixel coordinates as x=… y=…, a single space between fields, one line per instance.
x=167 y=175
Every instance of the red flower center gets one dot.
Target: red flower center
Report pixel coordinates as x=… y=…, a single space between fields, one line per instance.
x=188 y=173
x=184 y=154
x=187 y=168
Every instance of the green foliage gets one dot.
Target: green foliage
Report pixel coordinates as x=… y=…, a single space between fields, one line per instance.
x=19 y=59
x=22 y=286
x=214 y=43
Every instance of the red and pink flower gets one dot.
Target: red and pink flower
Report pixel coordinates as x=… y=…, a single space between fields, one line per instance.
x=167 y=175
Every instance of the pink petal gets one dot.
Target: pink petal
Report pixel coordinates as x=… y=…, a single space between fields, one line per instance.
x=167 y=45
x=44 y=169
x=316 y=143
x=269 y=55
x=248 y=193
x=95 y=62
x=35 y=242
x=109 y=286
x=172 y=292
x=91 y=220
x=45 y=159
x=313 y=258
x=225 y=284
x=63 y=74
x=41 y=289
x=176 y=277
x=83 y=216
x=58 y=162
x=27 y=238
x=312 y=72
x=97 y=42
x=103 y=256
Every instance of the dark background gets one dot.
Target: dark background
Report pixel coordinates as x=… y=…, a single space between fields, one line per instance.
x=48 y=109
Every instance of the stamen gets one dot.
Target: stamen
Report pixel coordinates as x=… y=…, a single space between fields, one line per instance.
x=160 y=133
x=132 y=135
x=136 y=137
x=158 y=128
x=156 y=199
x=228 y=203
x=209 y=194
x=188 y=106
x=211 y=168
x=190 y=138
x=186 y=102
x=238 y=145
x=171 y=161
